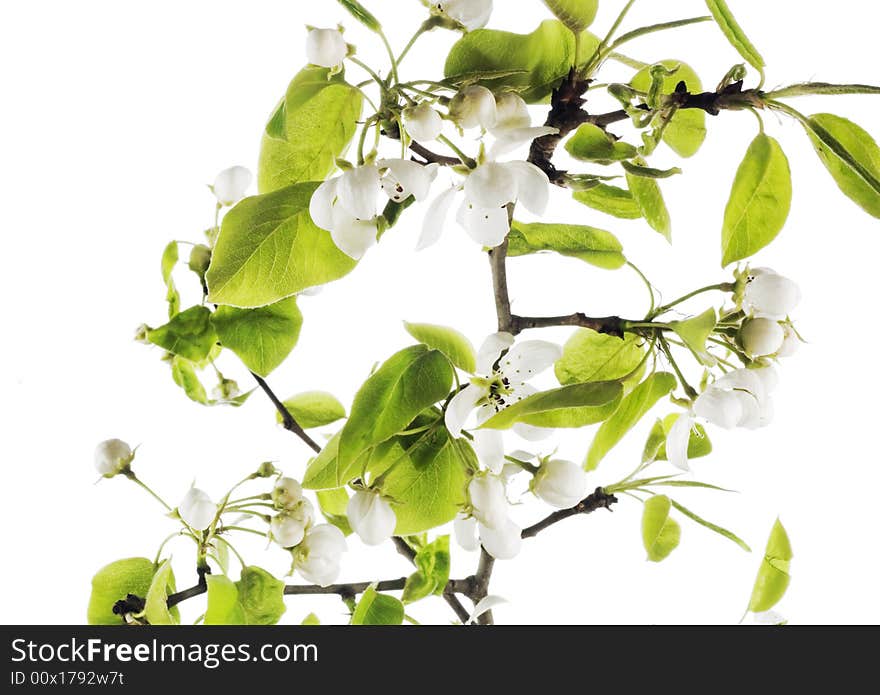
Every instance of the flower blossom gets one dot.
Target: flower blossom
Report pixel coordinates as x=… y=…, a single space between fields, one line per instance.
x=197 y=510
x=471 y=14
x=318 y=558
x=326 y=48
x=371 y=517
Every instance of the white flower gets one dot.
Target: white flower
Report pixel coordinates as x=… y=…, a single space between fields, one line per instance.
x=473 y=107
x=231 y=185
x=465 y=529
x=347 y=206
x=422 y=122
x=792 y=342
x=371 y=517
x=502 y=542
x=488 y=500
x=561 y=484
x=471 y=14
x=513 y=125
x=761 y=337
x=289 y=527
x=319 y=556
x=287 y=493
x=112 y=456
x=770 y=295
x=197 y=510
x=326 y=48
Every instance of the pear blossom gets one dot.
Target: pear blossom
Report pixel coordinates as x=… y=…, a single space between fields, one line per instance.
x=474 y=106
x=769 y=295
x=289 y=527
x=347 y=206
x=112 y=456
x=762 y=337
x=504 y=370
x=197 y=510
x=502 y=542
x=561 y=484
x=231 y=185
x=326 y=48
x=287 y=493
x=318 y=557
x=371 y=517
x=792 y=342
x=513 y=125
x=422 y=122
x=490 y=521
x=471 y=14
x=488 y=500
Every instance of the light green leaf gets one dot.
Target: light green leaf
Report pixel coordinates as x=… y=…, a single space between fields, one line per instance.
x=313 y=409
x=334 y=507
x=377 y=609
x=410 y=381
x=189 y=334
x=457 y=348
x=695 y=332
x=632 y=409
x=269 y=249
x=262 y=338
x=156 y=609
x=646 y=192
x=773 y=575
x=686 y=132
x=698 y=442
x=611 y=200
x=311 y=619
x=261 y=596
x=572 y=406
x=649 y=172
x=433 y=563
x=729 y=535
x=594 y=246
x=322 y=473
x=169 y=259
x=362 y=14
x=592 y=144
x=113 y=583
x=542 y=58
x=577 y=15
x=660 y=533
x=820 y=88
x=184 y=374
x=223 y=605
x=759 y=202
x=862 y=150
x=735 y=34
x=589 y=356
x=310 y=129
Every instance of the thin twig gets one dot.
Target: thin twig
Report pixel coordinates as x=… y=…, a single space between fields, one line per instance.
x=287 y=419
x=598 y=500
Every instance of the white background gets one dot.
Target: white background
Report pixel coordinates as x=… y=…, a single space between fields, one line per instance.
x=115 y=116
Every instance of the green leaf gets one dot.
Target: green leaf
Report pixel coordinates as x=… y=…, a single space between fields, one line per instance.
x=589 y=356
x=686 y=131
x=433 y=563
x=698 y=442
x=113 y=583
x=695 y=332
x=614 y=201
x=773 y=575
x=735 y=34
x=261 y=596
x=311 y=619
x=542 y=58
x=729 y=535
x=313 y=409
x=862 y=150
x=572 y=406
x=759 y=202
x=649 y=172
x=820 y=88
x=390 y=399
x=362 y=14
x=594 y=246
x=189 y=334
x=577 y=15
x=457 y=348
x=323 y=473
x=592 y=144
x=377 y=609
x=269 y=249
x=184 y=374
x=310 y=129
x=170 y=256
x=223 y=605
x=660 y=533
x=633 y=408
x=646 y=192
x=156 y=609
x=262 y=338
x=334 y=507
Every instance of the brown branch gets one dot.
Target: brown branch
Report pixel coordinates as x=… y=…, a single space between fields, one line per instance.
x=289 y=422
x=598 y=500
x=344 y=590
x=481 y=585
x=498 y=263
x=432 y=157
x=609 y=325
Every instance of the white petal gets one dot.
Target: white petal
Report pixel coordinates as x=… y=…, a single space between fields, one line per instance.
x=532 y=433
x=770 y=295
x=465 y=530
x=743 y=380
x=769 y=376
x=371 y=517
x=435 y=219
x=677 y=441
x=487 y=226
x=529 y=358
x=488 y=500
x=751 y=411
x=720 y=407
x=492 y=185
x=326 y=47
x=503 y=542
x=473 y=14
x=461 y=406
x=491 y=350
x=507 y=141
x=561 y=484
x=474 y=106
x=512 y=111
x=484 y=606
x=352 y=236
x=322 y=202
x=533 y=186
x=791 y=344
x=358 y=191
x=422 y=123
x=231 y=185
x=489 y=447
x=406 y=178
x=761 y=337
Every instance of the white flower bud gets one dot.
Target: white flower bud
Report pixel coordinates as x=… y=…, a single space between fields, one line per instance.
x=319 y=556
x=503 y=542
x=371 y=517
x=761 y=337
x=422 y=122
x=474 y=106
x=197 y=510
x=560 y=484
x=465 y=529
x=488 y=500
x=792 y=342
x=770 y=295
x=326 y=48
x=231 y=185
x=471 y=14
x=287 y=493
x=112 y=456
x=289 y=527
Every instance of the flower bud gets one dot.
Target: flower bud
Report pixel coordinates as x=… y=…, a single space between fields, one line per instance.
x=231 y=185
x=761 y=337
x=560 y=484
x=792 y=342
x=488 y=500
x=371 y=517
x=471 y=14
x=200 y=258
x=197 y=510
x=319 y=556
x=112 y=457
x=289 y=527
x=287 y=493
x=474 y=106
x=503 y=542
x=769 y=294
x=326 y=48
x=266 y=470
x=422 y=122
